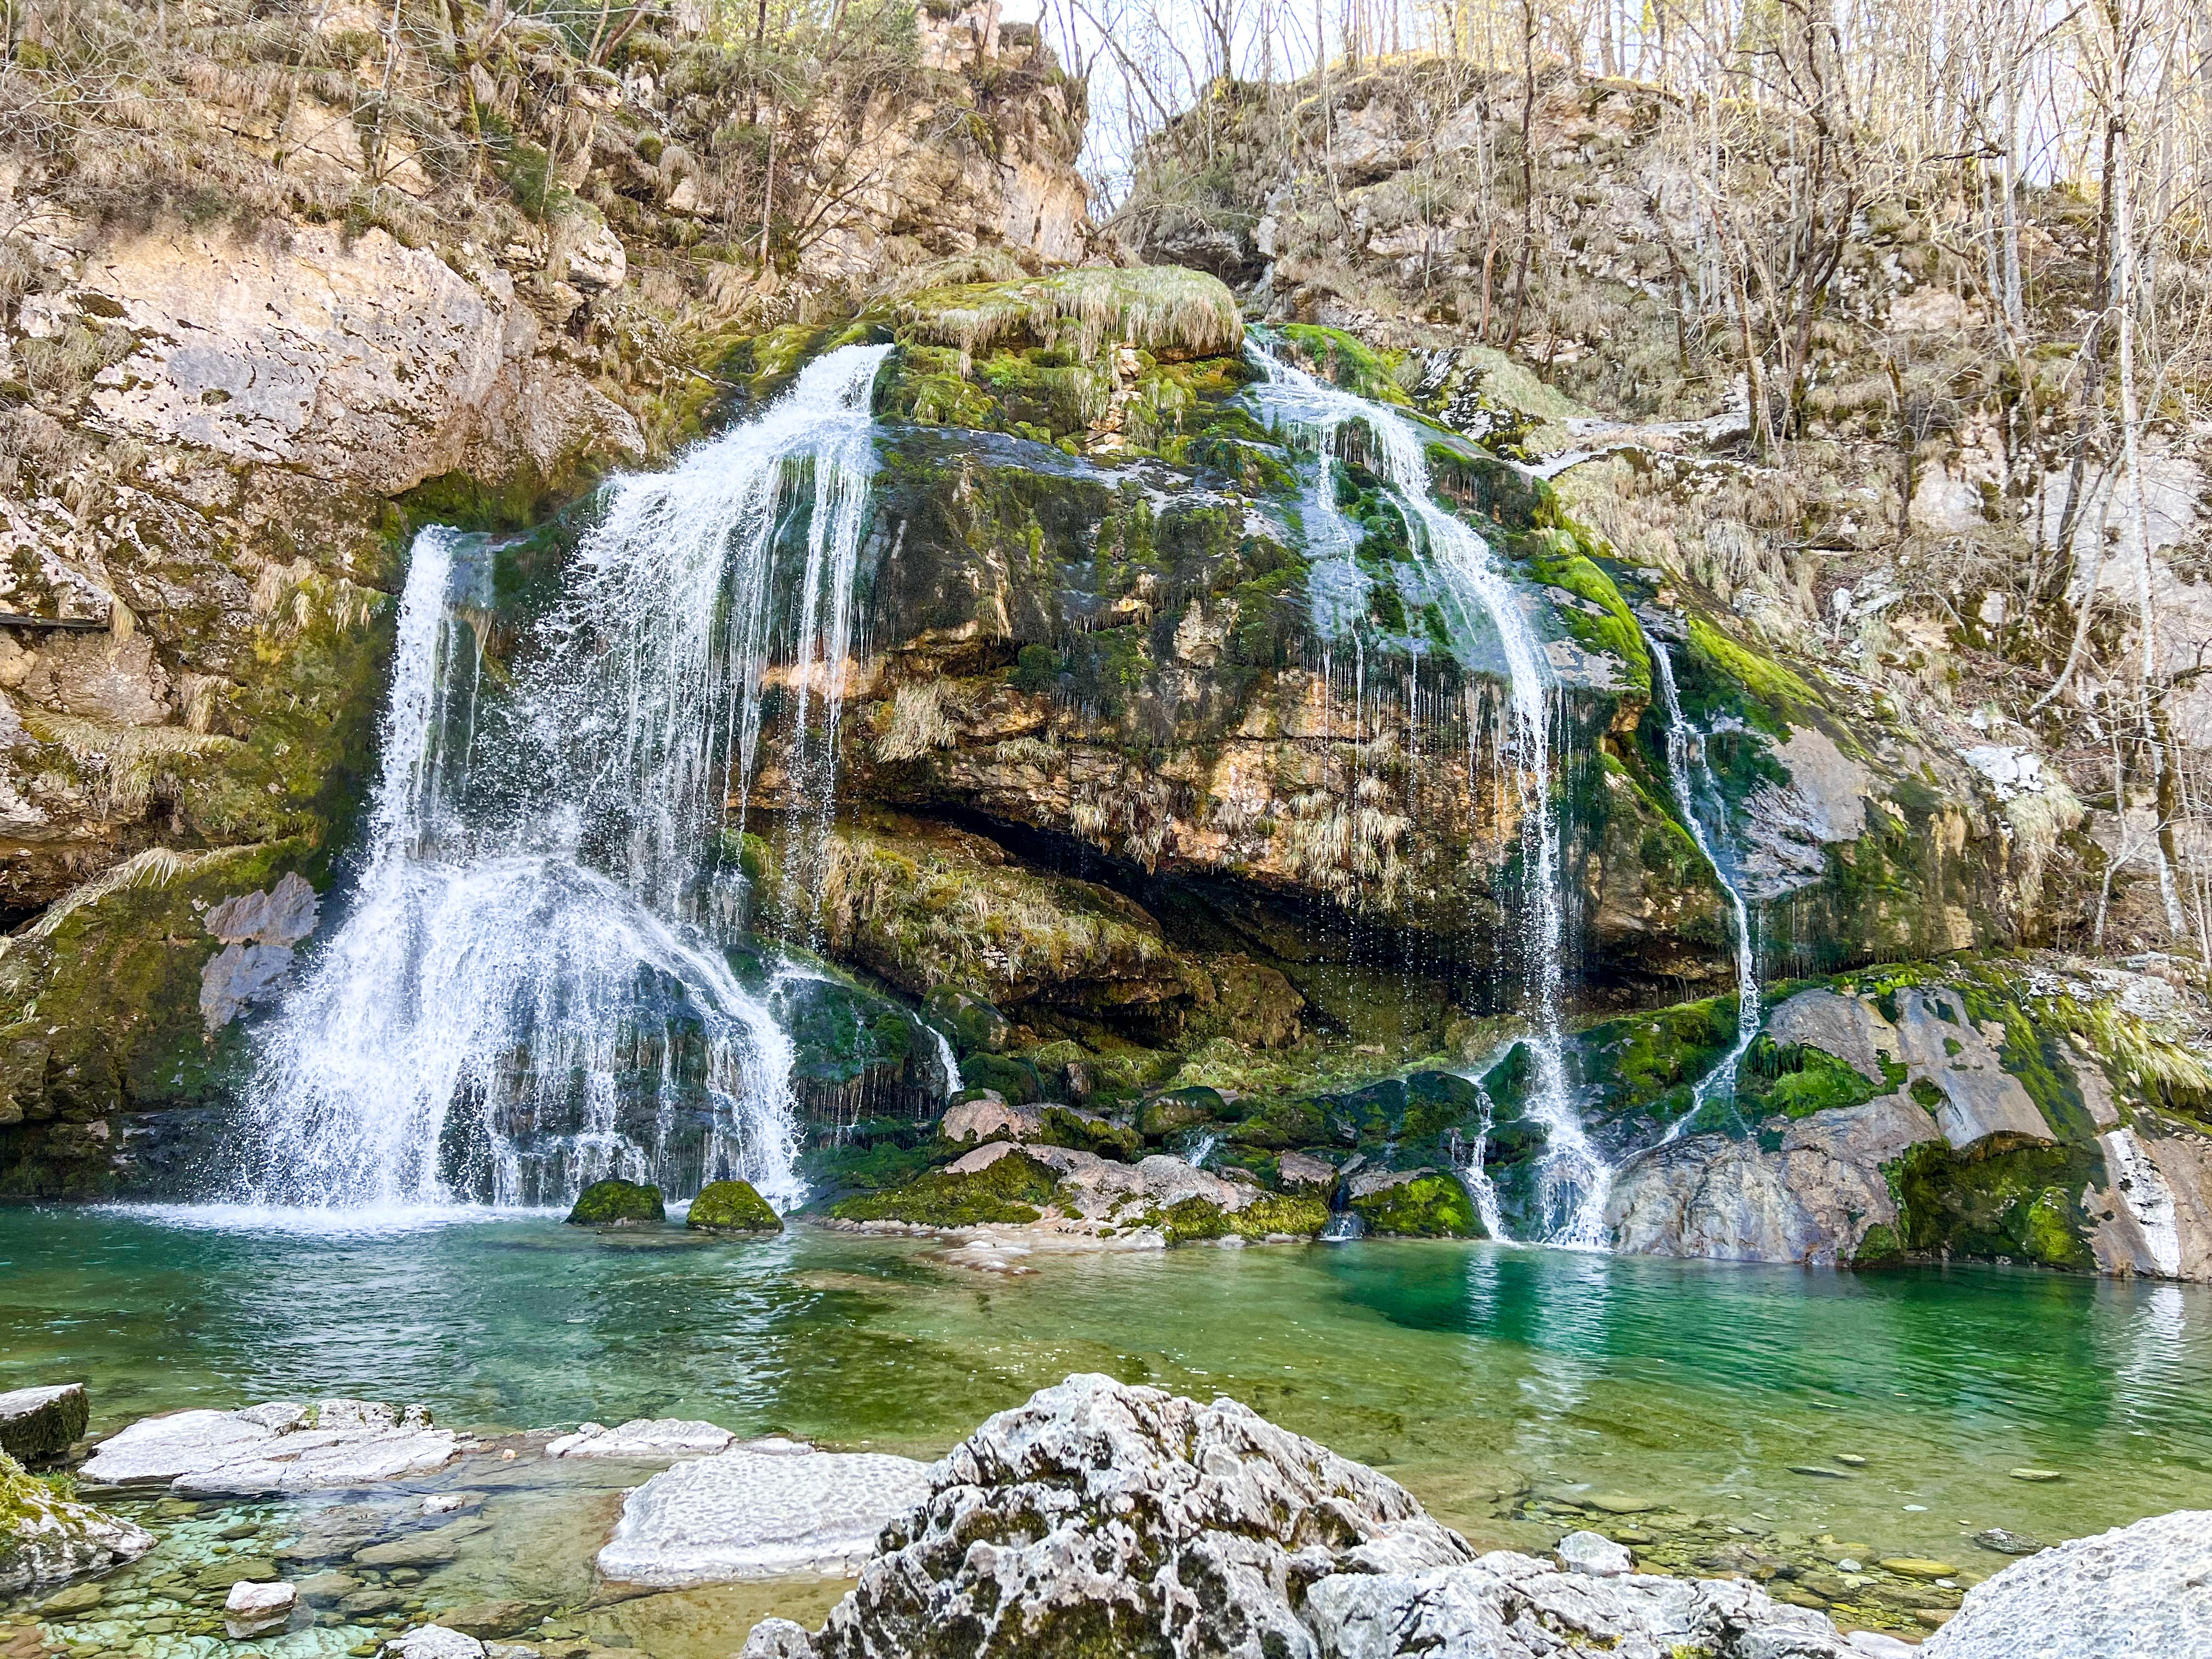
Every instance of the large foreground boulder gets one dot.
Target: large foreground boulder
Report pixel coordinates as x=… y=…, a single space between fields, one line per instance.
x=1101 y=1519
x=2138 y=1592
x=283 y=1447
x=46 y=1538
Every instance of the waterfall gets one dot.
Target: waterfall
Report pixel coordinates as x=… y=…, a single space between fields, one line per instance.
x=1475 y=1177
x=948 y=1064
x=1574 y=1179
x=528 y=990
x=1686 y=762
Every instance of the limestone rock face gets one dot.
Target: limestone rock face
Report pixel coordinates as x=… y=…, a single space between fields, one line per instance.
x=1813 y=1200
x=2141 y=1589
x=750 y=1514
x=278 y=1448
x=370 y=363
x=654 y=1437
x=46 y=1538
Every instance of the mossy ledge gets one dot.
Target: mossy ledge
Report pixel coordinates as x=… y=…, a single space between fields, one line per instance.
x=617 y=1204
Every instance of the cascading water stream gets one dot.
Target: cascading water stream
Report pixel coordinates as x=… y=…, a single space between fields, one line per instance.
x=1574 y=1181
x=529 y=991
x=1687 y=768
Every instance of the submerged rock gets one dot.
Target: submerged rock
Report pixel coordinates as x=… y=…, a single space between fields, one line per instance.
x=617 y=1204
x=42 y=1422
x=751 y=1513
x=1100 y=1518
x=46 y=1538
x=644 y=1436
x=732 y=1206
x=283 y=1447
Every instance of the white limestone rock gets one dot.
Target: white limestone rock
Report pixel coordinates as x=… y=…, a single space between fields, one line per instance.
x=749 y=1513
x=1100 y=1518
x=277 y=1448
x=1508 y=1606
x=46 y=1538
x=434 y=1642
x=1594 y=1554
x=2138 y=1592
x=251 y=1610
x=644 y=1438
x=1099 y=1513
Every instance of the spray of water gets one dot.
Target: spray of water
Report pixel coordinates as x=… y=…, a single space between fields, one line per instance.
x=1687 y=768
x=528 y=992
x=1574 y=1179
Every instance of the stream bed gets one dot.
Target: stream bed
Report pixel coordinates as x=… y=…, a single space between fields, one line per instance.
x=1799 y=1426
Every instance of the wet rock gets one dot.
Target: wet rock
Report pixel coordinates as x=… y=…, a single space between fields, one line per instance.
x=987 y=1117
x=2006 y=1543
x=36 y=1423
x=2144 y=1589
x=1414 y=1203
x=1916 y=1566
x=644 y=1436
x=748 y=1515
x=778 y=1639
x=732 y=1206
x=617 y=1204
x=222 y=1575
x=322 y=1589
x=46 y=1538
x=368 y=1603
x=326 y=1535
x=422 y=1549
x=434 y=1642
x=251 y=1609
x=277 y=1448
x=1980 y=1097
x=2037 y=1474
x=1593 y=1554
x=77 y=1598
x=485 y=1620
x=1299 y=1172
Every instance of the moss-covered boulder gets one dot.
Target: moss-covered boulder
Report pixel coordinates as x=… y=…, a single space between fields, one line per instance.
x=1415 y=1204
x=617 y=1204
x=1272 y=1215
x=1011 y=1189
x=732 y=1206
x=47 y=1536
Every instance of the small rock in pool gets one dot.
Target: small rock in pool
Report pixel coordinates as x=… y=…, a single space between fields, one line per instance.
x=2037 y=1474
x=36 y=1423
x=2006 y=1543
x=1594 y=1554
x=484 y=1619
x=77 y=1598
x=1916 y=1566
x=434 y=1642
x=1819 y=1471
x=617 y=1204
x=1851 y=1458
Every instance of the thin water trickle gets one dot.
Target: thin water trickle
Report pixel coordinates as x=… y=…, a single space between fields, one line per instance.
x=528 y=991
x=1574 y=1181
x=1687 y=768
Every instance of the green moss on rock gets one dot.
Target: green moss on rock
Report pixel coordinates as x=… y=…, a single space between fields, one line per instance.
x=1430 y=1205
x=1196 y=1220
x=732 y=1206
x=617 y=1204
x=1011 y=1189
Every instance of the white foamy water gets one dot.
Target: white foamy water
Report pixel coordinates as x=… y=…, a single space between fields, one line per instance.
x=528 y=990
x=1687 y=768
x=1574 y=1179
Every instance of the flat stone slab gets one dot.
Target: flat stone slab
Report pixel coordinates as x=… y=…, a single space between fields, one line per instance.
x=645 y=1437
x=279 y=1448
x=41 y=1423
x=756 y=1514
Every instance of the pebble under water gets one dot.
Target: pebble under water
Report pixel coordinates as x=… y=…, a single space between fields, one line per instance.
x=1798 y=1425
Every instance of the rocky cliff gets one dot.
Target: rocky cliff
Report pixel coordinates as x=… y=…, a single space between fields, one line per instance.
x=1176 y=795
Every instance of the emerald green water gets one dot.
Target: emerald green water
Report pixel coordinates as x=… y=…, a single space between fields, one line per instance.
x=1477 y=1374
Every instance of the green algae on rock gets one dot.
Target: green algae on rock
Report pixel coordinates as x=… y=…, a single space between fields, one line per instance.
x=1415 y=1204
x=1011 y=1189
x=732 y=1206
x=615 y=1203
x=46 y=1535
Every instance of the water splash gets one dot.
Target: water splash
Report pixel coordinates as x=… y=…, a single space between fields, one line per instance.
x=1689 y=771
x=948 y=1064
x=529 y=991
x=1573 y=1180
